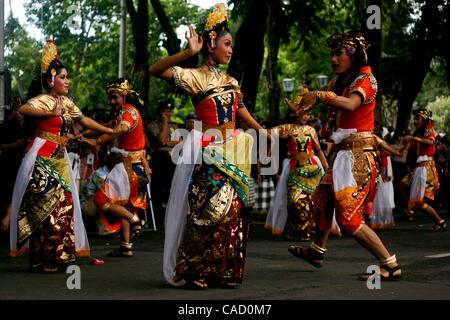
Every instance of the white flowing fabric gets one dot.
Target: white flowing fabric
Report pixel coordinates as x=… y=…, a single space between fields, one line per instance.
x=81 y=239
x=316 y=158
x=22 y=180
x=342 y=171
x=117 y=183
x=383 y=204
x=342 y=134
x=418 y=184
x=277 y=216
x=178 y=206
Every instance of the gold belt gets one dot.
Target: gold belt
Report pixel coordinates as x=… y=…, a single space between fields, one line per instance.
x=222 y=128
x=136 y=157
x=364 y=141
x=302 y=157
x=60 y=140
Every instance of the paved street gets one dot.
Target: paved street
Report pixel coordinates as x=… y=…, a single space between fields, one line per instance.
x=271 y=272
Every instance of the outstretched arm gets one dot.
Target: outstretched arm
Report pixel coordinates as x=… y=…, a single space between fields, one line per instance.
x=248 y=119
x=312 y=98
x=391 y=151
x=161 y=68
x=410 y=138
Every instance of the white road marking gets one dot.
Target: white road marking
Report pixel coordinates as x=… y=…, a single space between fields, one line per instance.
x=441 y=255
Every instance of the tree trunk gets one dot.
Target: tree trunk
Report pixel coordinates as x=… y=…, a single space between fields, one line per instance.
x=171 y=43
x=248 y=56
x=140 y=28
x=422 y=52
x=273 y=41
x=374 y=54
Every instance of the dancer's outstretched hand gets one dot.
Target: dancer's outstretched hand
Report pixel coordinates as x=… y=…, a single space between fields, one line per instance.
x=195 y=42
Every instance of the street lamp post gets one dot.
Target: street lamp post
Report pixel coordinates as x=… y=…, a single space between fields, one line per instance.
x=288 y=86
x=322 y=81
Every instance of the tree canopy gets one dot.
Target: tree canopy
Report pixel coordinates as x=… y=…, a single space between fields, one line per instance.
x=273 y=40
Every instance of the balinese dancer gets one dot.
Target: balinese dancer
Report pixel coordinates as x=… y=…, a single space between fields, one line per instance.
x=206 y=230
x=349 y=187
x=423 y=182
x=383 y=204
x=45 y=205
x=292 y=208
x=124 y=192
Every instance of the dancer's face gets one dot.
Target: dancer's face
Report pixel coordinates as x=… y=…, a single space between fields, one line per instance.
x=304 y=118
x=418 y=121
x=116 y=100
x=61 y=84
x=221 y=54
x=341 y=62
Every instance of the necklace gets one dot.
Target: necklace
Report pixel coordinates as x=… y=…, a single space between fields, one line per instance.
x=213 y=67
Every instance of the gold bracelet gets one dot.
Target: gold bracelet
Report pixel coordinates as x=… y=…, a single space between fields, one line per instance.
x=111 y=131
x=326 y=96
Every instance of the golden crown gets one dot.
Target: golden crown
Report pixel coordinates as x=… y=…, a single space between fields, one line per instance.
x=49 y=53
x=123 y=88
x=423 y=113
x=216 y=17
x=348 y=39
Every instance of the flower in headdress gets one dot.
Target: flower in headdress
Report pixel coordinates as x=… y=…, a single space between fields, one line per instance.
x=49 y=53
x=218 y=16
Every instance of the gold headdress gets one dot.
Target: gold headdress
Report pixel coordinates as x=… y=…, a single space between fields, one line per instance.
x=216 y=19
x=123 y=88
x=423 y=113
x=351 y=41
x=49 y=53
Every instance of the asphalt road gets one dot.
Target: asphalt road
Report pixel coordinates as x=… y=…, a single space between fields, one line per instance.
x=271 y=272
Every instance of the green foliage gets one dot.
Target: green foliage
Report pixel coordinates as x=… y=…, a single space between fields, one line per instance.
x=435 y=83
x=91 y=52
x=441 y=114
x=304 y=54
x=21 y=51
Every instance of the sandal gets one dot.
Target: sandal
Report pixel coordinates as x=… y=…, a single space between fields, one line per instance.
x=229 y=284
x=390 y=277
x=46 y=268
x=195 y=284
x=391 y=273
x=439 y=226
x=124 y=250
x=136 y=227
x=308 y=255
